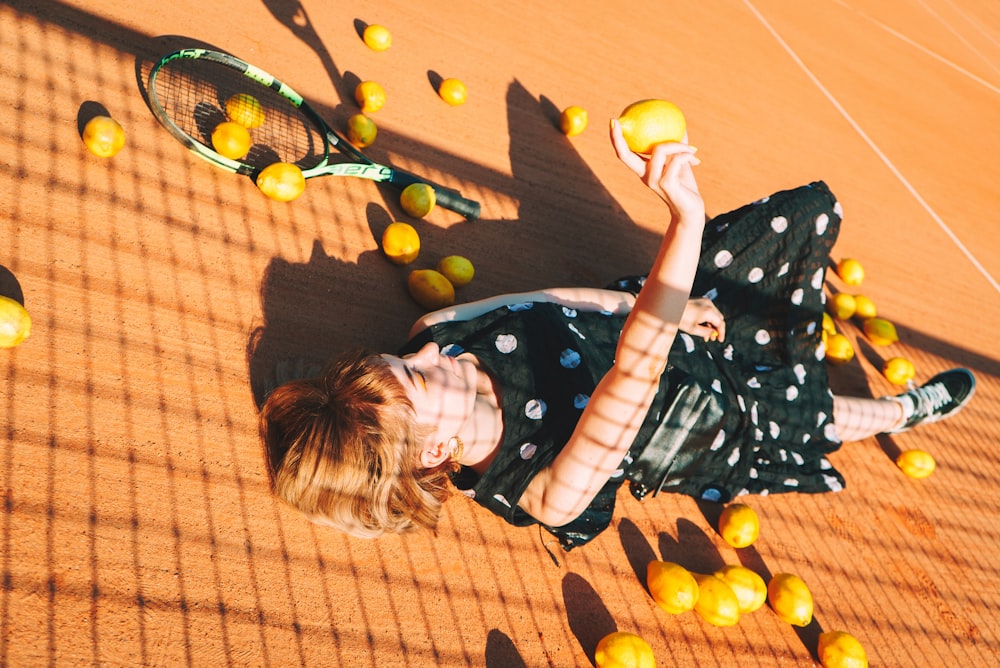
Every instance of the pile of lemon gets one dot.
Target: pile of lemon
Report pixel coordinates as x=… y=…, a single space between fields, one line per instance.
x=897 y=370
x=722 y=598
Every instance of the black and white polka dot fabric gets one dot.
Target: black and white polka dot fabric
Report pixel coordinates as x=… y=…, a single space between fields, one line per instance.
x=764 y=266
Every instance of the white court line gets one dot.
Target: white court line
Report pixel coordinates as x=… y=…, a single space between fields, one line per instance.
x=882 y=156
x=958 y=35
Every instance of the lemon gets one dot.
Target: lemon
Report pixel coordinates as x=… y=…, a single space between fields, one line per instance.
x=103 y=136
x=916 y=463
x=245 y=109
x=649 y=122
x=749 y=587
x=430 y=289
x=370 y=96
x=898 y=370
x=457 y=269
x=400 y=243
x=851 y=271
x=281 y=181
x=573 y=120
x=622 y=649
x=880 y=331
x=829 y=326
x=672 y=586
x=231 y=140
x=839 y=649
x=377 y=37
x=739 y=525
x=790 y=599
x=864 y=307
x=418 y=199
x=842 y=306
x=361 y=130
x=453 y=92
x=717 y=603
x=15 y=323
x=839 y=349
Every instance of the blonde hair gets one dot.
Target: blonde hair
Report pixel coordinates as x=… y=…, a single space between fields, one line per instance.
x=344 y=449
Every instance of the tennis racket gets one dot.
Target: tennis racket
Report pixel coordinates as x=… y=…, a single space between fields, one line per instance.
x=188 y=91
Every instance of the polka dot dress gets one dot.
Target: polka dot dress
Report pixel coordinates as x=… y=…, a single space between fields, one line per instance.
x=763 y=265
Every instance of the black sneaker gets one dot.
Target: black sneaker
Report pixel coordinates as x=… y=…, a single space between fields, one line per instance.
x=940 y=397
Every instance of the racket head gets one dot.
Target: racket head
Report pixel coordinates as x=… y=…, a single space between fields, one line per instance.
x=188 y=91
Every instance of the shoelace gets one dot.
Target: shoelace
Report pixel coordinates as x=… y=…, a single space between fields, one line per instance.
x=932 y=397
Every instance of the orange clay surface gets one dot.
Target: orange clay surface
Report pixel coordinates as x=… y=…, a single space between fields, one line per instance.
x=137 y=527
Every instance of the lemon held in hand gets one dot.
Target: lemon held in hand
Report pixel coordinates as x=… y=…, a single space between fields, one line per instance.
x=649 y=122
x=281 y=181
x=400 y=243
x=672 y=586
x=245 y=109
x=103 y=136
x=430 y=289
x=15 y=323
x=623 y=650
x=457 y=269
x=418 y=199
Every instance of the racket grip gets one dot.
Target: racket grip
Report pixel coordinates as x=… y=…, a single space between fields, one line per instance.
x=446 y=197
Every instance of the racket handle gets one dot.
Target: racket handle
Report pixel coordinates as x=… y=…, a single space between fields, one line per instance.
x=446 y=197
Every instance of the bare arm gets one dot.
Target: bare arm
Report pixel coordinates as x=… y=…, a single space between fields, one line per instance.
x=619 y=403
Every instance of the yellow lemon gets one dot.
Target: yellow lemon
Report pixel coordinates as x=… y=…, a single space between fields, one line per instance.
x=672 y=586
x=370 y=96
x=15 y=323
x=839 y=649
x=898 y=370
x=573 y=120
x=430 y=289
x=400 y=243
x=361 y=130
x=916 y=463
x=749 y=587
x=453 y=92
x=880 y=331
x=649 y=122
x=231 y=140
x=864 y=307
x=103 y=136
x=245 y=109
x=717 y=603
x=839 y=349
x=842 y=306
x=623 y=650
x=281 y=181
x=739 y=525
x=457 y=269
x=790 y=599
x=418 y=199
x=851 y=271
x=377 y=37
x=829 y=326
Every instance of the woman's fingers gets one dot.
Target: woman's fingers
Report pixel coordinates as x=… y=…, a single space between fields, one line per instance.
x=632 y=160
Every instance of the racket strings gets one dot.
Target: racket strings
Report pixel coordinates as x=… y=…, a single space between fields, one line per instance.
x=193 y=93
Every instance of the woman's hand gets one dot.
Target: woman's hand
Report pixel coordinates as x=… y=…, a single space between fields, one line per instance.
x=667 y=172
x=702 y=318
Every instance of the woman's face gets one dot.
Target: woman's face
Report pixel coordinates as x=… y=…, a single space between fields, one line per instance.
x=441 y=388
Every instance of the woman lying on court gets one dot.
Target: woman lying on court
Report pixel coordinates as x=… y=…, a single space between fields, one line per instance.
x=540 y=405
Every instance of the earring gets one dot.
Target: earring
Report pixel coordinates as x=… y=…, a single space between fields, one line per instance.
x=458 y=448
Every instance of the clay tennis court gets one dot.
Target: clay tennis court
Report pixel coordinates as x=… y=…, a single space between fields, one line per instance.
x=137 y=525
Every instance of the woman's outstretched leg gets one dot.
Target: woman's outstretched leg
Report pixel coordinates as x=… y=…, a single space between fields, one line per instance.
x=942 y=396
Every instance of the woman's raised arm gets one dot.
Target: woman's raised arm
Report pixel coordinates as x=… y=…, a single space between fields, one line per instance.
x=619 y=403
